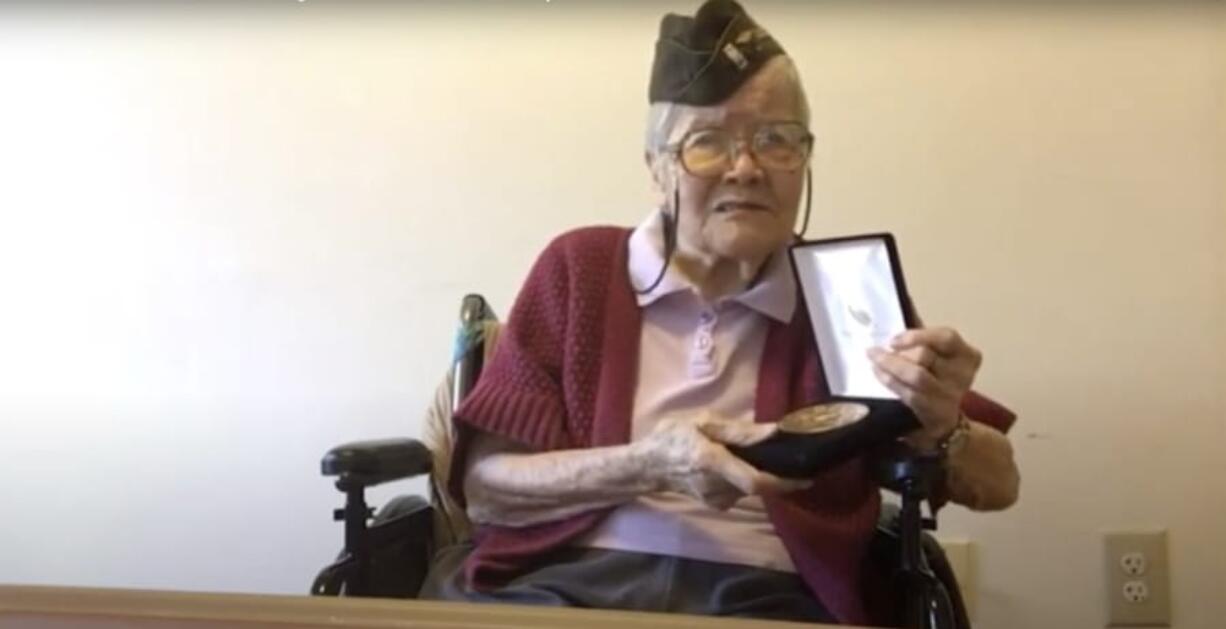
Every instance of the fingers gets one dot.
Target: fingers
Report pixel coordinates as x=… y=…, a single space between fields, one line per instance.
x=749 y=479
x=945 y=341
x=924 y=405
x=780 y=485
x=940 y=351
x=934 y=401
x=736 y=433
x=921 y=355
x=905 y=371
x=722 y=501
x=706 y=470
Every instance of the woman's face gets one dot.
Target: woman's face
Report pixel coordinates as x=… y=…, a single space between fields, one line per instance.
x=746 y=212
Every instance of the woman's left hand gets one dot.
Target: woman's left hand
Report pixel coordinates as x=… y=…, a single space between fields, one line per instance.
x=930 y=369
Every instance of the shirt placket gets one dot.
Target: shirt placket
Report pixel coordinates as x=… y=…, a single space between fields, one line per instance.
x=702 y=354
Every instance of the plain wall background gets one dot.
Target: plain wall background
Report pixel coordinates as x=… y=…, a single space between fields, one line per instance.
x=233 y=237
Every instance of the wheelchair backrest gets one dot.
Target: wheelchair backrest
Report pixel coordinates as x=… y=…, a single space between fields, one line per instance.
x=475 y=339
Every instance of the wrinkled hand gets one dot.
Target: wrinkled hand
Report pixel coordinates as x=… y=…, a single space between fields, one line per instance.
x=931 y=370
x=689 y=457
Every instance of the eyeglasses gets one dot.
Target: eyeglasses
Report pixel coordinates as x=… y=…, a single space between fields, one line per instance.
x=778 y=146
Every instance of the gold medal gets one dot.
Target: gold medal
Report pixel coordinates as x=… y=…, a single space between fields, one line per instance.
x=822 y=417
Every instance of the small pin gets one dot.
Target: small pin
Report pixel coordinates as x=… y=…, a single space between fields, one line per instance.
x=733 y=53
x=861 y=316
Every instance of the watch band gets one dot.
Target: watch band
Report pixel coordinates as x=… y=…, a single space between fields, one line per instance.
x=956 y=438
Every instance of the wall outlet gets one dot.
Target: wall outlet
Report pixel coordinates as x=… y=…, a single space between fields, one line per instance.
x=1136 y=591
x=1138 y=579
x=1133 y=563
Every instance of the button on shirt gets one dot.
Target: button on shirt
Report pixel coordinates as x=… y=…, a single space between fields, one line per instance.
x=697 y=358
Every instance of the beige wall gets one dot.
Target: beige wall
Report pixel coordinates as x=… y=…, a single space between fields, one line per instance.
x=232 y=238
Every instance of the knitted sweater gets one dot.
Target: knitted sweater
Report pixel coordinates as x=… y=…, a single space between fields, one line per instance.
x=564 y=376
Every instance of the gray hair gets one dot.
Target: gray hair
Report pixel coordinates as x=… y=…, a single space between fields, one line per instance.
x=663 y=119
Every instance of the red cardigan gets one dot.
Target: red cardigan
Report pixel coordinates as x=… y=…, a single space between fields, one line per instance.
x=564 y=376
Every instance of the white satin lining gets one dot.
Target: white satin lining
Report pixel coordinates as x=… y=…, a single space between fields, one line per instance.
x=853 y=305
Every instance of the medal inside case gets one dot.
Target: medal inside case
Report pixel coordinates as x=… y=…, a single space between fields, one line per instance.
x=856 y=298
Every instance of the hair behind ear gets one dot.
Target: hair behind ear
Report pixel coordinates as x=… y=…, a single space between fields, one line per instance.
x=663 y=179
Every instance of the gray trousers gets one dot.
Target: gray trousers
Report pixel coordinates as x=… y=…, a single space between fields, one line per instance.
x=613 y=579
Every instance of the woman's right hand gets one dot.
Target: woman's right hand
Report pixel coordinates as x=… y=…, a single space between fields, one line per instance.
x=689 y=456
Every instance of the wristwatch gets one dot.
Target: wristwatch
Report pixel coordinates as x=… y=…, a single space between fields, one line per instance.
x=955 y=439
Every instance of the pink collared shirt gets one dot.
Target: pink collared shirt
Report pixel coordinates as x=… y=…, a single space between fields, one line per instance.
x=697 y=358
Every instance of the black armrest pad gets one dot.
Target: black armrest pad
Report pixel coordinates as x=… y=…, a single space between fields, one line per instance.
x=377 y=461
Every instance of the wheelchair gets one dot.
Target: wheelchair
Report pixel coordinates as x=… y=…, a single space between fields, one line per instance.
x=388 y=553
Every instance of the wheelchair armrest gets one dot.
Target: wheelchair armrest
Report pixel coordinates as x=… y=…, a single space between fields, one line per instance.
x=367 y=463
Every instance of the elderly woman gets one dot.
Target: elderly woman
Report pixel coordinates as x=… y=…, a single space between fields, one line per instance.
x=592 y=453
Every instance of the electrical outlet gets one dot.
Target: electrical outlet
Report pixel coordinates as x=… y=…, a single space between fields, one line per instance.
x=1136 y=591
x=1133 y=563
x=1138 y=579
